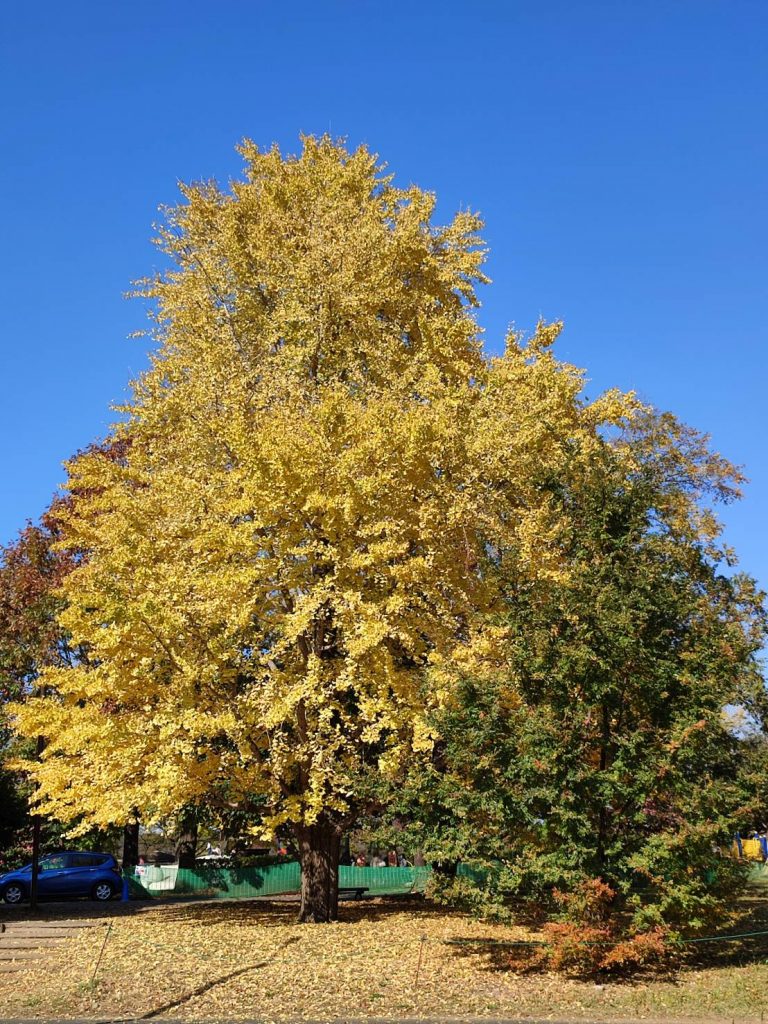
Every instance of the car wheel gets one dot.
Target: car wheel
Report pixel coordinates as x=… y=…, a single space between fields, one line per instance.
x=103 y=891
x=14 y=893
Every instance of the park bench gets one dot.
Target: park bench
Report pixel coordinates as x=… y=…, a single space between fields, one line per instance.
x=352 y=892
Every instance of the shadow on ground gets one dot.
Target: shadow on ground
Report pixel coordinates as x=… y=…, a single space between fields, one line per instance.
x=174 y=1004
x=262 y=911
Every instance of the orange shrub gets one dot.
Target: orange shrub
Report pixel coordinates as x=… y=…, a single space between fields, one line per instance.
x=647 y=949
x=589 y=903
x=587 y=950
x=574 y=949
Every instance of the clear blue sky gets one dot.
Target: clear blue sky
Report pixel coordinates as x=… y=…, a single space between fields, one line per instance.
x=617 y=151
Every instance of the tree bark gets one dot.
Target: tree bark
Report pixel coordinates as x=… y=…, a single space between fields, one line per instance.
x=130 y=845
x=319 y=846
x=186 y=843
x=35 y=863
x=36 y=826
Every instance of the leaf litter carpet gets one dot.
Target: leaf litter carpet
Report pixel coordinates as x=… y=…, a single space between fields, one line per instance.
x=230 y=961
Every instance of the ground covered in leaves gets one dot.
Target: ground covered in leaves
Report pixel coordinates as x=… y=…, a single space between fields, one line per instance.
x=385 y=958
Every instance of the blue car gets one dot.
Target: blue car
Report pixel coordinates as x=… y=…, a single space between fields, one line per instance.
x=65 y=874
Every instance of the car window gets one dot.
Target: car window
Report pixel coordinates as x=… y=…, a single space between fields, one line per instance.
x=84 y=860
x=55 y=863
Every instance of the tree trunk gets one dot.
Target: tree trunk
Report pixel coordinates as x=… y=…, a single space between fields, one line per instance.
x=130 y=845
x=319 y=847
x=186 y=843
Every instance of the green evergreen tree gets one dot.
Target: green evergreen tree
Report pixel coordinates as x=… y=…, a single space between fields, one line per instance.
x=604 y=747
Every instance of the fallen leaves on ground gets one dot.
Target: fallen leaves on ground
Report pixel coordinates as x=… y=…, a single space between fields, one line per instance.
x=383 y=959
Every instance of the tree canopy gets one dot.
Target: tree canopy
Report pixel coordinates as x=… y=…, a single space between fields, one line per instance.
x=32 y=568
x=328 y=504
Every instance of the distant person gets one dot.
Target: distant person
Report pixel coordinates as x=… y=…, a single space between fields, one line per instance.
x=392 y=859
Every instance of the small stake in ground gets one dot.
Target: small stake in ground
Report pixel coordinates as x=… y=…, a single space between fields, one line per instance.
x=421 y=954
x=101 y=952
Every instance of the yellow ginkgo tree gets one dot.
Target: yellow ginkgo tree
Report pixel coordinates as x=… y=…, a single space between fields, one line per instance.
x=320 y=470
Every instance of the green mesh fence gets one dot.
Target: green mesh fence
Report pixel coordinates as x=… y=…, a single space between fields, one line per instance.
x=385 y=880
x=277 y=879
x=472 y=871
